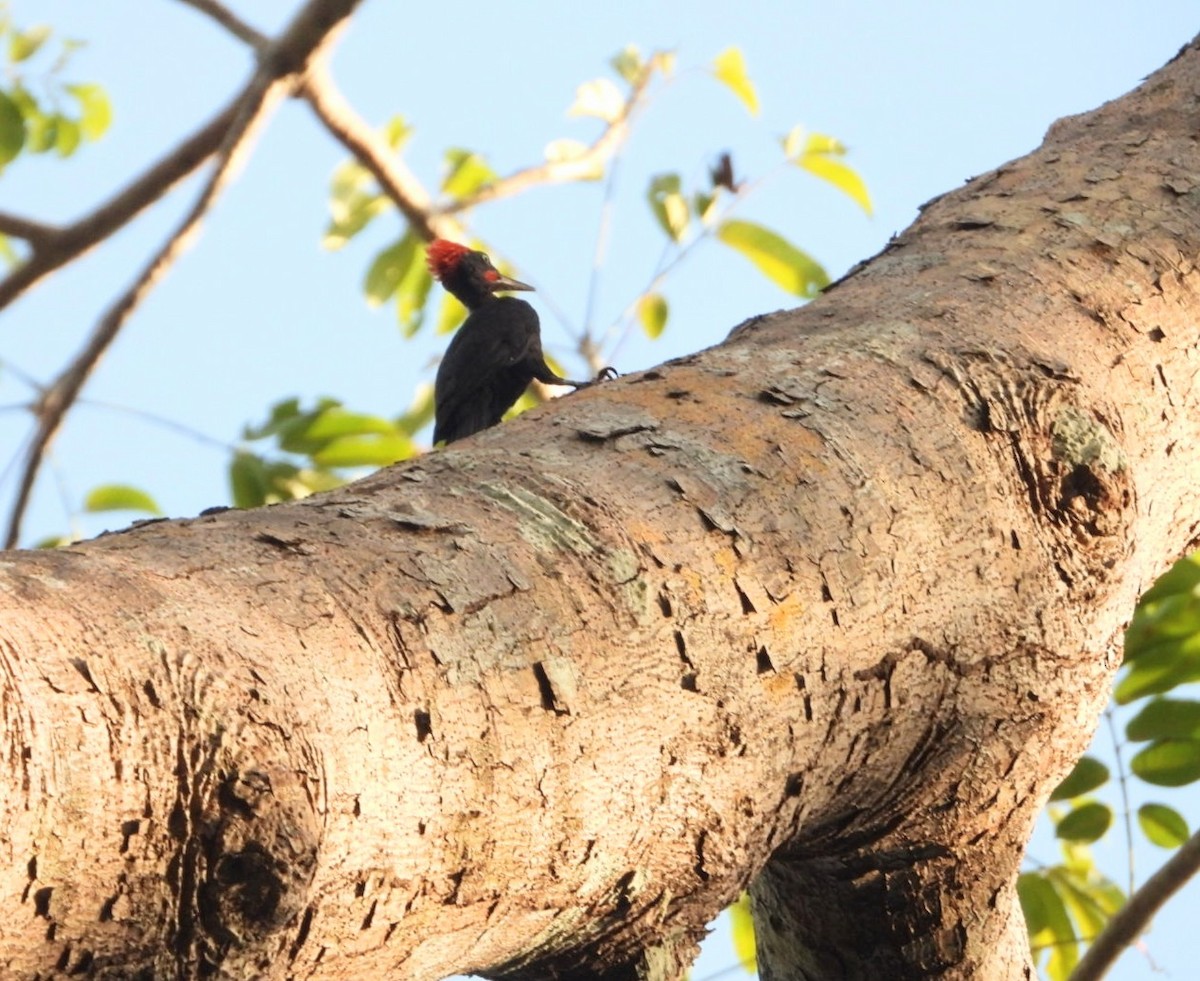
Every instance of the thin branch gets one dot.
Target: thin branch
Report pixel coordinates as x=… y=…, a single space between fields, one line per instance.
x=287 y=57
x=1135 y=915
x=372 y=151
x=63 y=245
x=33 y=232
x=578 y=168
x=1123 y=784
x=231 y=22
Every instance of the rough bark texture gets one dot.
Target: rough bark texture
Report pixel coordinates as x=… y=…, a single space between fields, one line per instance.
x=831 y=607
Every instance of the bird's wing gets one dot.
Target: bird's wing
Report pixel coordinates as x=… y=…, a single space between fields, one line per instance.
x=473 y=378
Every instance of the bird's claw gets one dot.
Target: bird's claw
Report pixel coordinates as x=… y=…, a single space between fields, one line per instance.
x=607 y=373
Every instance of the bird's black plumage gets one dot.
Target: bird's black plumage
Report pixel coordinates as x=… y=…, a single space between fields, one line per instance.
x=497 y=351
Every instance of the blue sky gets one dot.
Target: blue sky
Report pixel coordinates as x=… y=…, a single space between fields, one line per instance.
x=926 y=95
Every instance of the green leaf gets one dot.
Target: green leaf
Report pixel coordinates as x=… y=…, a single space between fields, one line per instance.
x=599 y=98
x=652 y=312
x=741 y=924
x=730 y=67
x=669 y=205
x=1171 y=664
x=1169 y=763
x=420 y=413
x=24 y=44
x=337 y=421
x=67 y=136
x=247 y=480
x=388 y=270
x=466 y=173
x=411 y=296
x=1165 y=718
x=1086 y=823
x=12 y=128
x=95 y=109
x=783 y=263
x=628 y=63
x=1163 y=826
x=1044 y=909
x=451 y=313
x=365 y=451
x=1182 y=578
x=41 y=131
x=840 y=175
x=351 y=211
x=119 y=497
x=702 y=204
x=396 y=132
x=1088 y=774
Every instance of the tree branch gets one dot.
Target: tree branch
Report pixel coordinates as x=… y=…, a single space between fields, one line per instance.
x=62 y=245
x=1134 y=917
x=290 y=55
x=394 y=177
x=230 y=21
x=562 y=171
x=33 y=232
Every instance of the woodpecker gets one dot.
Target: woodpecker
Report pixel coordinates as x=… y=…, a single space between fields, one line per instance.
x=494 y=355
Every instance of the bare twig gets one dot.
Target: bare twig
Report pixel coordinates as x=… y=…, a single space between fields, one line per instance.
x=394 y=177
x=353 y=132
x=56 y=247
x=283 y=61
x=33 y=232
x=1135 y=915
x=231 y=22
x=582 y=167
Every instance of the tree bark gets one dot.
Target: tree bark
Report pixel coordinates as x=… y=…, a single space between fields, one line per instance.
x=828 y=610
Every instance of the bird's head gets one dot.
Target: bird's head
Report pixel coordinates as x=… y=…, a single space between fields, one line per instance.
x=462 y=270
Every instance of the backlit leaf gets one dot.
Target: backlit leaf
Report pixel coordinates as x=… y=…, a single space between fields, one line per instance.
x=365 y=451
x=600 y=98
x=12 y=128
x=41 y=131
x=783 y=263
x=387 y=270
x=1163 y=826
x=730 y=67
x=652 y=312
x=1088 y=774
x=1165 y=718
x=247 y=481
x=1087 y=823
x=94 y=108
x=816 y=153
x=119 y=497
x=1170 y=763
x=66 y=136
x=669 y=205
x=24 y=44
x=466 y=173
x=741 y=924
x=840 y=175
x=396 y=132
x=628 y=63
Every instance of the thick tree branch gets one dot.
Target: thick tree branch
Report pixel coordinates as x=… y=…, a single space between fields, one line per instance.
x=1124 y=928
x=55 y=247
x=33 y=232
x=289 y=56
x=230 y=21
